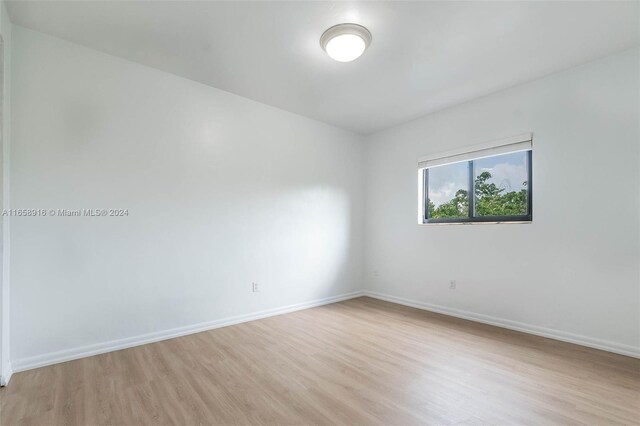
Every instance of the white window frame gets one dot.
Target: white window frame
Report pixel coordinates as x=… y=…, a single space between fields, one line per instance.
x=519 y=143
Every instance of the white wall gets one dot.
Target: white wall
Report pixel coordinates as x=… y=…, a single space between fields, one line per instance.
x=573 y=272
x=221 y=191
x=5 y=33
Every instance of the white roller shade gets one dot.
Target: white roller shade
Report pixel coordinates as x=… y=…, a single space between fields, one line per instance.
x=487 y=149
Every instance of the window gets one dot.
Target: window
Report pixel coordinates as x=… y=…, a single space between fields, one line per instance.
x=491 y=183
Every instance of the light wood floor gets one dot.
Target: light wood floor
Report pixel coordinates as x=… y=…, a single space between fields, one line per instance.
x=361 y=361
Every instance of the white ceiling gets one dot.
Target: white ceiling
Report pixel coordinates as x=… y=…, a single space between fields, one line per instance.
x=424 y=56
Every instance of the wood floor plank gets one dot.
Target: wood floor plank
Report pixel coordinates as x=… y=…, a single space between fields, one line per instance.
x=362 y=361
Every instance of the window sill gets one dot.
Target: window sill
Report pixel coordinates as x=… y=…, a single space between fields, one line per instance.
x=509 y=222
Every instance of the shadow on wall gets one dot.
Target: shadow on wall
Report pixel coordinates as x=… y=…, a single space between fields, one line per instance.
x=309 y=239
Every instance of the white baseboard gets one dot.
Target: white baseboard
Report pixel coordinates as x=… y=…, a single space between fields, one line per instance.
x=564 y=336
x=114 y=345
x=5 y=377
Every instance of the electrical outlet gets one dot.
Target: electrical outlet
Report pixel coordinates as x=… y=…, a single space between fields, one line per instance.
x=254 y=287
x=376 y=273
x=452 y=285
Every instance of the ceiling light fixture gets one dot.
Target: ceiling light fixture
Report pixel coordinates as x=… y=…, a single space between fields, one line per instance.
x=345 y=42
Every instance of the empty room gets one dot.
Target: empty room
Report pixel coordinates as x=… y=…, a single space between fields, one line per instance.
x=320 y=212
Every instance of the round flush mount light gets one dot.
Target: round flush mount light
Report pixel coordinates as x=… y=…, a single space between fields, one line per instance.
x=345 y=42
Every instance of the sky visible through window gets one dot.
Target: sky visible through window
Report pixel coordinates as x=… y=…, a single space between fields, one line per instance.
x=445 y=181
x=508 y=171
